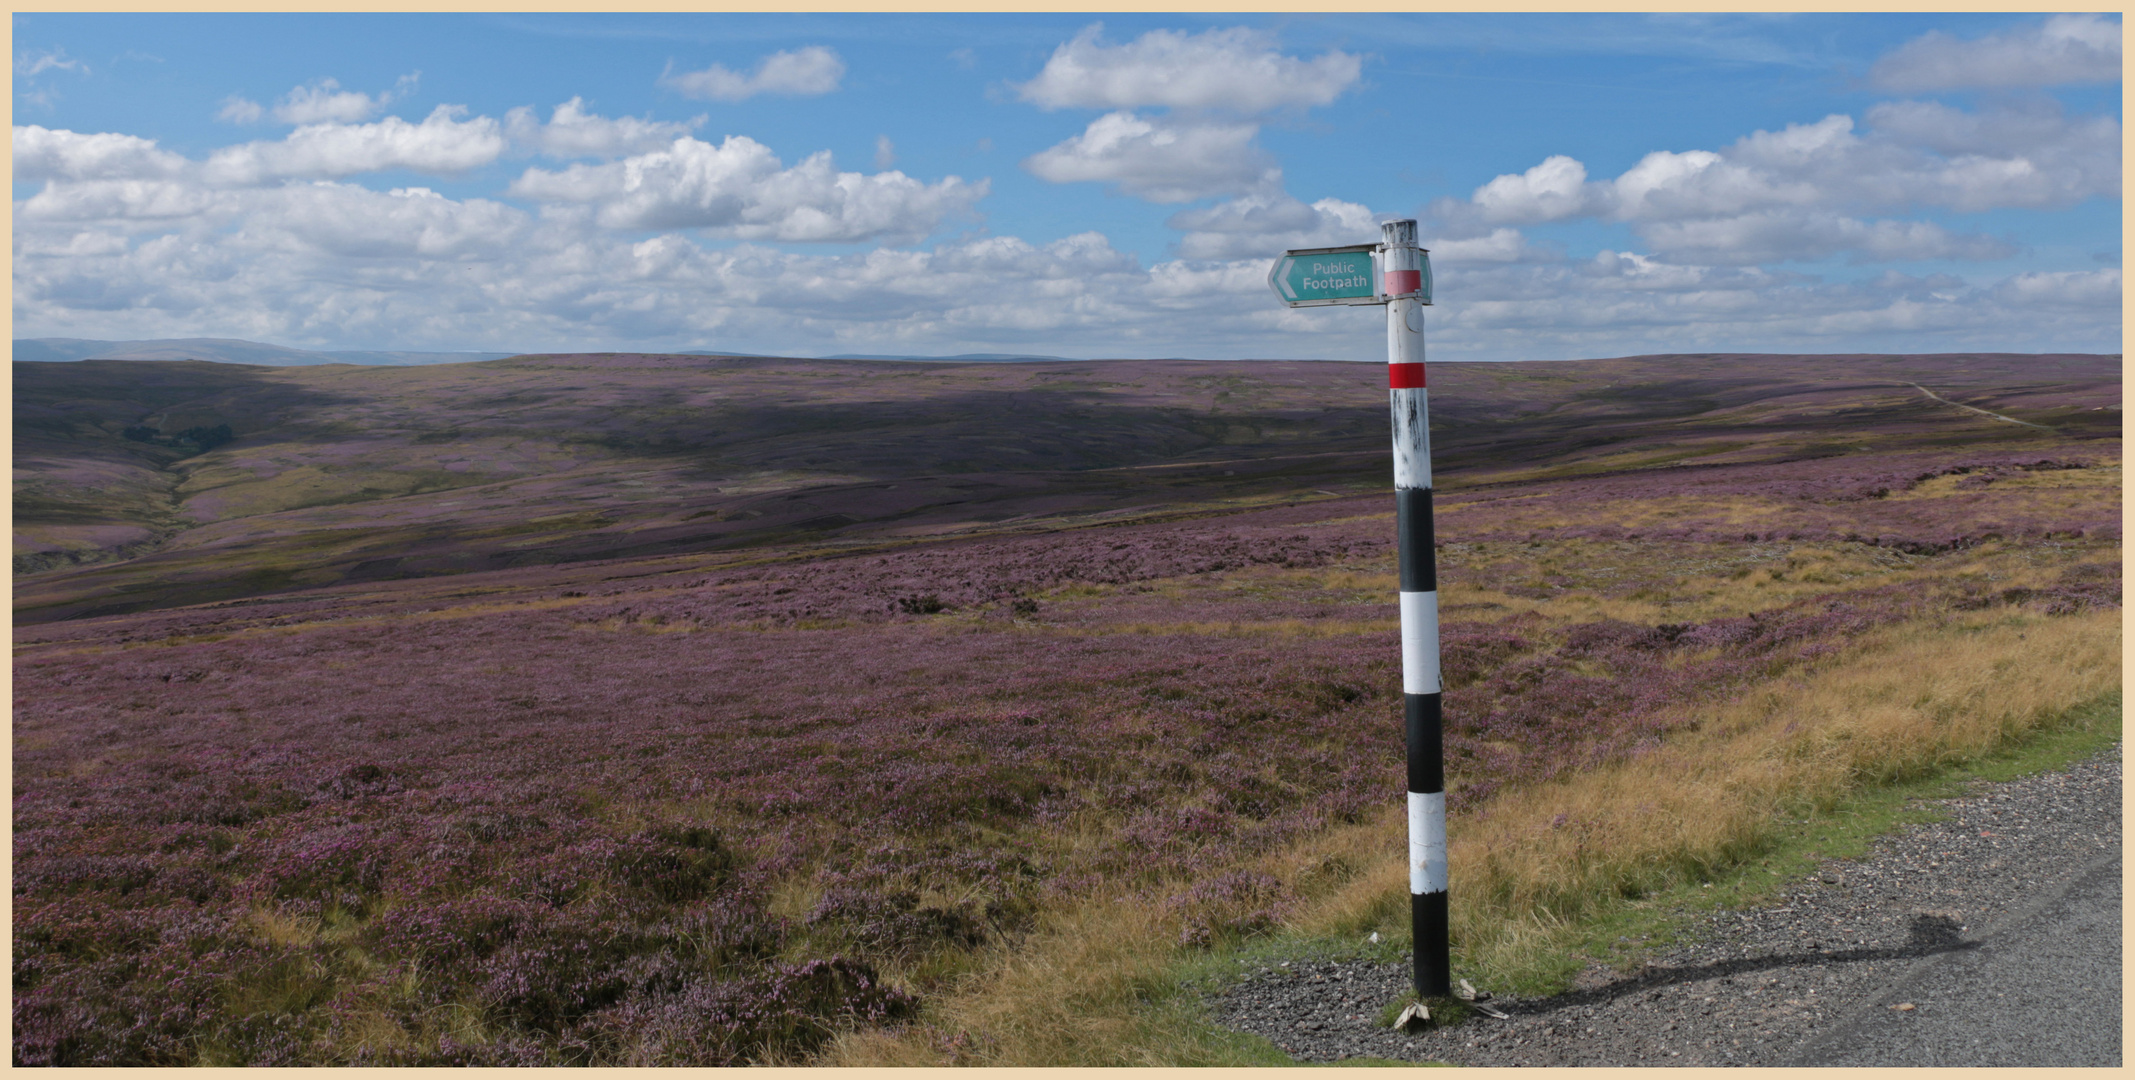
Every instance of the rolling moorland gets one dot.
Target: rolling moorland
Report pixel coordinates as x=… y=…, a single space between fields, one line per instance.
x=628 y=709
x=222 y=351
x=235 y=351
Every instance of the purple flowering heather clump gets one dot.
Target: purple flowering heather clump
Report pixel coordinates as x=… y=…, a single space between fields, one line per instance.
x=729 y=931
x=342 y=867
x=791 y=1009
x=151 y=1004
x=1467 y=653
x=455 y=931
x=672 y=865
x=561 y=876
x=576 y=965
x=893 y=923
x=357 y=781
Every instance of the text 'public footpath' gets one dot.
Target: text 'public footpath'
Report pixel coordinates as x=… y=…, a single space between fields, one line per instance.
x=1352 y=281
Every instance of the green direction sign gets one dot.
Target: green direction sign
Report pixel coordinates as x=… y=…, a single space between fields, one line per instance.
x=1315 y=277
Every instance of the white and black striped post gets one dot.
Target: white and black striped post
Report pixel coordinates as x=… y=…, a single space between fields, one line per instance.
x=1407 y=291
x=1401 y=281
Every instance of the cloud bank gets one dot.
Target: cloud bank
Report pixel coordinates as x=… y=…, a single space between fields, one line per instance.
x=641 y=232
x=2064 y=49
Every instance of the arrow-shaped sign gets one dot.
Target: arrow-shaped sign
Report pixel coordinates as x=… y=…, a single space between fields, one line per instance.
x=1317 y=277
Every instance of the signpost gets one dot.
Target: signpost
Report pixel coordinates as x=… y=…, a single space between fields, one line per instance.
x=1400 y=278
x=1320 y=277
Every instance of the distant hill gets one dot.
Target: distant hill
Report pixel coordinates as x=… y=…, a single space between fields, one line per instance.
x=961 y=358
x=156 y=484
x=227 y=351
x=234 y=351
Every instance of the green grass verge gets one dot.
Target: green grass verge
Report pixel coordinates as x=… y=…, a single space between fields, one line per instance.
x=1625 y=933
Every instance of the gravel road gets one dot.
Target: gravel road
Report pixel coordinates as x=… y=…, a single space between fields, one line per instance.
x=1988 y=938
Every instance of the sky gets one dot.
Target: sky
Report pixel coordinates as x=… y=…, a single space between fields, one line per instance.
x=1070 y=185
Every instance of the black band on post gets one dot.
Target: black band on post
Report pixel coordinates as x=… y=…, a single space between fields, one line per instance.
x=1434 y=962
x=1426 y=743
x=1419 y=560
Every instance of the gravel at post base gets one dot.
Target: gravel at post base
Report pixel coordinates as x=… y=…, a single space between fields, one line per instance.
x=1756 y=986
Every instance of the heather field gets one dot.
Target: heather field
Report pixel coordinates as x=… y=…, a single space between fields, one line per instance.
x=339 y=473
x=687 y=711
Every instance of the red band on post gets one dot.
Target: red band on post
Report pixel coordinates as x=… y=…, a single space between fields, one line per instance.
x=1403 y=282
x=1405 y=376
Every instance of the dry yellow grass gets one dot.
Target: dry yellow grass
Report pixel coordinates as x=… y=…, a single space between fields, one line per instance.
x=1907 y=704
x=1904 y=701
x=1064 y=996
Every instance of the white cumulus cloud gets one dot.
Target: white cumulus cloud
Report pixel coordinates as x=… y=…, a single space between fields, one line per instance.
x=275 y=240
x=1666 y=185
x=806 y=72
x=441 y=144
x=1551 y=191
x=1801 y=192
x=1160 y=159
x=347 y=220
x=2025 y=153
x=571 y=131
x=740 y=189
x=1264 y=225
x=119 y=201
x=2062 y=49
x=1185 y=152
x=320 y=102
x=57 y=154
x=332 y=264
x=1239 y=70
x=325 y=102
x=1917 y=154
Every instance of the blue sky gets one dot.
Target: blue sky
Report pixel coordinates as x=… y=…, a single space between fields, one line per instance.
x=1590 y=185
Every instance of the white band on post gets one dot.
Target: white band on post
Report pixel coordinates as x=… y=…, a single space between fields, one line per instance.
x=1412 y=439
x=1419 y=643
x=1427 y=843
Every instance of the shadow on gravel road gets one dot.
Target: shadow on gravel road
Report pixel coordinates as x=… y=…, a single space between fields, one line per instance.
x=1928 y=935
